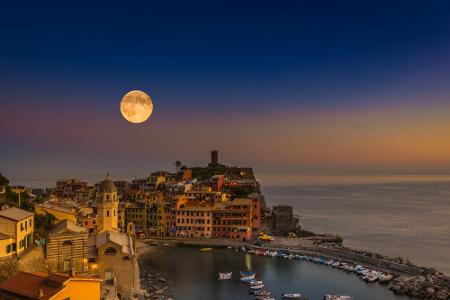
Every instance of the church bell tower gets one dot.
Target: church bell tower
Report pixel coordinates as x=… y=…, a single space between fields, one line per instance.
x=107 y=207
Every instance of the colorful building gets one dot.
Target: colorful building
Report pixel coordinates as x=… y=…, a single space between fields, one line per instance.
x=234 y=221
x=194 y=221
x=17 y=224
x=61 y=213
x=7 y=245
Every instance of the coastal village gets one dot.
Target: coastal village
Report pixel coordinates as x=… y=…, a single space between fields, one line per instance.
x=81 y=241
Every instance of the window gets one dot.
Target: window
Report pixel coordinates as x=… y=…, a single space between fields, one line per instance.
x=21 y=226
x=31 y=222
x=67 y=243
x=110 y=251
x=8 y=248
x=107 y=213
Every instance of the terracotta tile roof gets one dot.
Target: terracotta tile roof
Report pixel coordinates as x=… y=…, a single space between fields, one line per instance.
x=30 y=285
x=15 y=214
x=57 y=278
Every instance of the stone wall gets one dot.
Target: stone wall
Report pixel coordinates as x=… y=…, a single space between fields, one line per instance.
x=33 y=260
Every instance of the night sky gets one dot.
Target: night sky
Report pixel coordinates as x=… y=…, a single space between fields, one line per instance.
x=283 y=86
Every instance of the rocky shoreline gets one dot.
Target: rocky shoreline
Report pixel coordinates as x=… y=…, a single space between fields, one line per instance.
x=150 y=286
x=430 y=286
x=154 y=286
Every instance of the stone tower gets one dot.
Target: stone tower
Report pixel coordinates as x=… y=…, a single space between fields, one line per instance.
x=107 y=206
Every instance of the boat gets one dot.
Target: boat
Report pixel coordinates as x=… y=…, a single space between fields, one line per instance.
x=255 y=282
x=291 y=296
x=248 y=279
x=247 y=273
x=257 y=287
x=337 y=297
x=225 y=275
x=260 y=293
x=206 y=249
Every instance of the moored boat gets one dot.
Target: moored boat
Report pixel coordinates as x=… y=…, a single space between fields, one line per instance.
x=247 y=273
x=337 y=297
x=291 y=296
x=225 y=275
x=257 y=287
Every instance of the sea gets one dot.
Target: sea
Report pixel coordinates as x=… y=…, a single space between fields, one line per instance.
x=407 y=216
x=193 y=275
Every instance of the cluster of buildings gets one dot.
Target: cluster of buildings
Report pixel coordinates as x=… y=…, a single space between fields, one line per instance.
x=77 y=261
x=203 y=202
x=94 y=227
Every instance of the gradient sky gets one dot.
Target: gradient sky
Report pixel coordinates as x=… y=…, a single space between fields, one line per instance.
x=283 y=86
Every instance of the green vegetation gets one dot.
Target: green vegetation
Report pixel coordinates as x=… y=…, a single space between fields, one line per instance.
x=12 y=199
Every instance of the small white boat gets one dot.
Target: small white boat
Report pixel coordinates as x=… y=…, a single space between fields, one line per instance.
x=248 y=278
x=291 y=296
x=257 y=287
x=225 y=276
x=256 y=282
x=337 y=297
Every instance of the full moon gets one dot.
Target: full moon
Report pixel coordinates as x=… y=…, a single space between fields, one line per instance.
x=136 y=106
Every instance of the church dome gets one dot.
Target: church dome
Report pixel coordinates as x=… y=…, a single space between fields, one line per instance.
x=107 y=186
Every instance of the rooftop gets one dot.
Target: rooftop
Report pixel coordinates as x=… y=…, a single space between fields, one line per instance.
x=115 y=237
x=107 y=186
x=15 y=214
x=66 y=226
x=31 y=285
x=37 y=285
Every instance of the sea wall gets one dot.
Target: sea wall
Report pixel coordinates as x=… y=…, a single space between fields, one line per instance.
x=373 y=262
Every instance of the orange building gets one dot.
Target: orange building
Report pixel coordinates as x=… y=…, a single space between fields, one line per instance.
x=194 y=221
x=50 y=286
x=233 y=221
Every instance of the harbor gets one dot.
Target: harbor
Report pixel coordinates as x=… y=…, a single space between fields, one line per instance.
x=194 y=274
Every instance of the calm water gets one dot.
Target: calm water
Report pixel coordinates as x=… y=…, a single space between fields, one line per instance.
x=408 y=219
x=194 y=275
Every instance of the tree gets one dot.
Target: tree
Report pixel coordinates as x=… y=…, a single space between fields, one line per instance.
x=178 y=165
x=4 y=181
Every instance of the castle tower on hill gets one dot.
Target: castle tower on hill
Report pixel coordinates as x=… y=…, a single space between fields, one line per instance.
x=108 y=203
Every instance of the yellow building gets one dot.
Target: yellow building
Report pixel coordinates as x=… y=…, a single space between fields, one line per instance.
x=166 y=213
x=108 y=206
x=18 y=224
x=50 y=286
x=60 y=213
x=7 y=245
